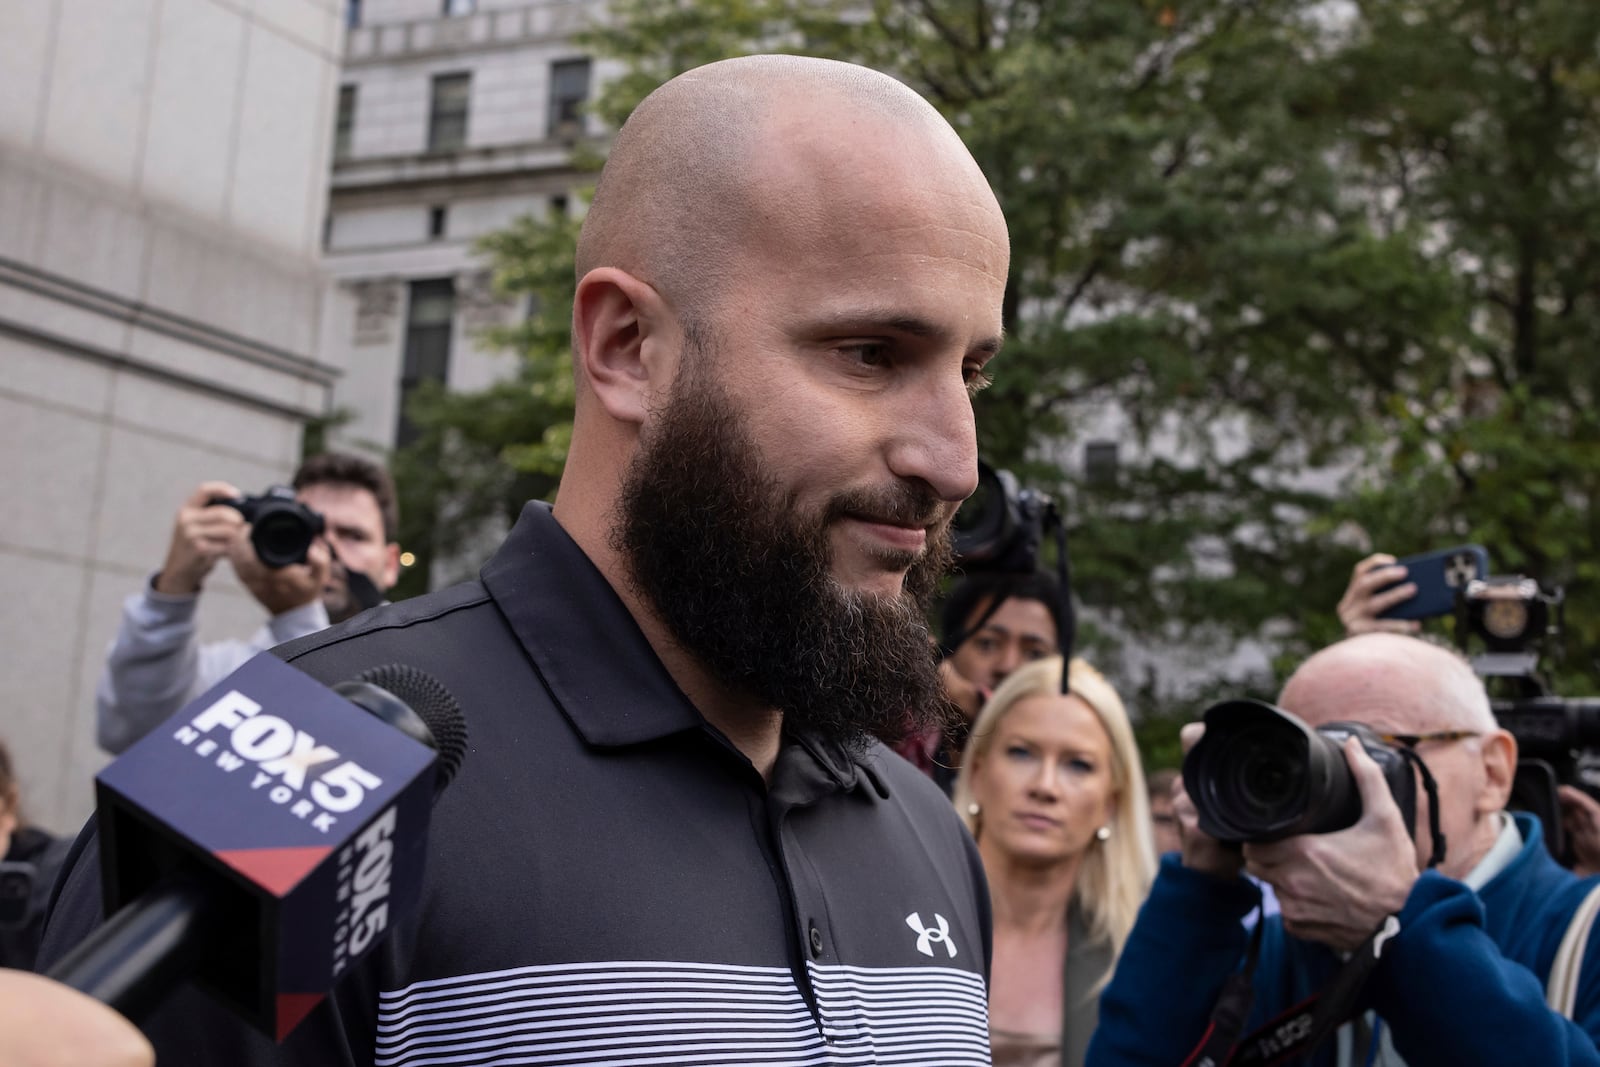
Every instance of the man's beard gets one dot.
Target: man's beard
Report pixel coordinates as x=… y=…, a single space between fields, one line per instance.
x=743 y=579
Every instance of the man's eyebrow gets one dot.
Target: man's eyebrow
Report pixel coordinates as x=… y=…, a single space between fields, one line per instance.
x=897 y=322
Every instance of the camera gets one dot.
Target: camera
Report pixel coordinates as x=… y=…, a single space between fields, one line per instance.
x=1001 y=526
x=1558 y=738
x=1260 y=774
x=281 y=528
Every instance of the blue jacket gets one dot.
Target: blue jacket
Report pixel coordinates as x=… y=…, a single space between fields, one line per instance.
x=1462 y=984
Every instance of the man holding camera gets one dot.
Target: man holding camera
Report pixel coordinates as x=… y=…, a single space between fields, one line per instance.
x=156 y=663
x=1420 y=966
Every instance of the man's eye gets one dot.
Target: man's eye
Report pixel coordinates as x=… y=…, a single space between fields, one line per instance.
x=977 y=380
x=867 y=353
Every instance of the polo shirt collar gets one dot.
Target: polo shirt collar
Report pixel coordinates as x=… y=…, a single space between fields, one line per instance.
x=582 y=640
x=593 y=657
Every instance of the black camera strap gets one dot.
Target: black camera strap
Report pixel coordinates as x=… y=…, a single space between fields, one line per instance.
x=1431 y=787
x=362 y=589
x=1233 y=1006
x=1067 y=617
x=1301 y=1029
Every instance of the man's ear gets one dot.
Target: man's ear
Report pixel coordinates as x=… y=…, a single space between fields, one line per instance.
x=391 y=565
x=618 y=325
x=1499 y=769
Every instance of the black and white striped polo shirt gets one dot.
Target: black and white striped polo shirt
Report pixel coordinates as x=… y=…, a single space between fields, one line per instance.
x=609 y=881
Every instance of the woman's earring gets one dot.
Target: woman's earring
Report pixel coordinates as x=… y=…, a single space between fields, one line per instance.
x=973 y=809
x=1103 y=834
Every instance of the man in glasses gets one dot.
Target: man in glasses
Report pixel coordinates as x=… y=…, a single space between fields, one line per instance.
x=1459 y=954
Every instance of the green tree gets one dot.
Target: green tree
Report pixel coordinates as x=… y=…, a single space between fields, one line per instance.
x=479 y=456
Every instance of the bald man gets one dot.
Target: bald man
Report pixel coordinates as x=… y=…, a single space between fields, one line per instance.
x=1461 y=978
x=673 y=839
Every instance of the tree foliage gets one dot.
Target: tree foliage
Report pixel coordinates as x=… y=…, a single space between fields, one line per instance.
x=479 y=456
x=1330 y=273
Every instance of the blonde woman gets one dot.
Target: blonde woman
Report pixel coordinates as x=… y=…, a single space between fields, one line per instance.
x=1052 y=788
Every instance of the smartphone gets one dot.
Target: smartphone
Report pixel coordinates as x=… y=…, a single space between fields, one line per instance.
x=1438 y=576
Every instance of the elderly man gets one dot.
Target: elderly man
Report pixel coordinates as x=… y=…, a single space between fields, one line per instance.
x=1459 y=980
x=673 y=840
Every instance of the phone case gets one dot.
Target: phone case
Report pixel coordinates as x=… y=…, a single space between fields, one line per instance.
x=1438 y=575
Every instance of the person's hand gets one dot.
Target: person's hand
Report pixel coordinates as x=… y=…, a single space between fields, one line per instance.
x=1362 y=602
x=962 y=693
x=1580 y=817
x=283 y=589
x=47 y=1024
x=1337 y=888
x=1201 y=851
x=202 y=534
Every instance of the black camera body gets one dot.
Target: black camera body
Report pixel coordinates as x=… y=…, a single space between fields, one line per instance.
x=1001 y=526
x=16 y=893
x=281 y=528
x=1261 y=774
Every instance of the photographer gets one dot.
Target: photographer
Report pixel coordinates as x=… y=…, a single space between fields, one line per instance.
x=156 y=662
x=1377 y=583
x=992 y=624
x=1457 y=978
x=29 y=862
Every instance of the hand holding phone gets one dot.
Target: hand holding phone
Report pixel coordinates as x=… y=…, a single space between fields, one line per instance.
x=1386 y=595
x=1439 y=577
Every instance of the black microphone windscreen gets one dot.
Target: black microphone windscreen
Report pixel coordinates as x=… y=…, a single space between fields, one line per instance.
x=432 y=702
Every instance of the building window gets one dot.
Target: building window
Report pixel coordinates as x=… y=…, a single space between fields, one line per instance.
x=1100 y=463
x=447 y=114
x=569 y=88
x=429 y=322
x=436 y=216
x=459 y=7
x=352 y=13
x=559 y=207
x=344 y=129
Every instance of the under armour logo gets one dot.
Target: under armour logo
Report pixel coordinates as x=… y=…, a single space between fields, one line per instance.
x=927 y=938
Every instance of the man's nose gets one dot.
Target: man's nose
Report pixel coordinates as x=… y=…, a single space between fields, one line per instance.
x=1010 y=658
x=936 y=439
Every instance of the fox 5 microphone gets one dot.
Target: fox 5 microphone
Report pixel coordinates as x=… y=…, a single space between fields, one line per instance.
x=264 y=838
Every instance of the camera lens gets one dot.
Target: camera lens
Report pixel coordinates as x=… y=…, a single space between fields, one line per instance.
x=1268 y=782
x=281 y=538
x=1260 y=774
x=1265 y=776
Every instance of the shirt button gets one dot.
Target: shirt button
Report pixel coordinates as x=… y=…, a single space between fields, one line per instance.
x=816 y=940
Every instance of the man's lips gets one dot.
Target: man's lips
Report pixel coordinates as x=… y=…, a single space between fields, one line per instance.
x=908 y=538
